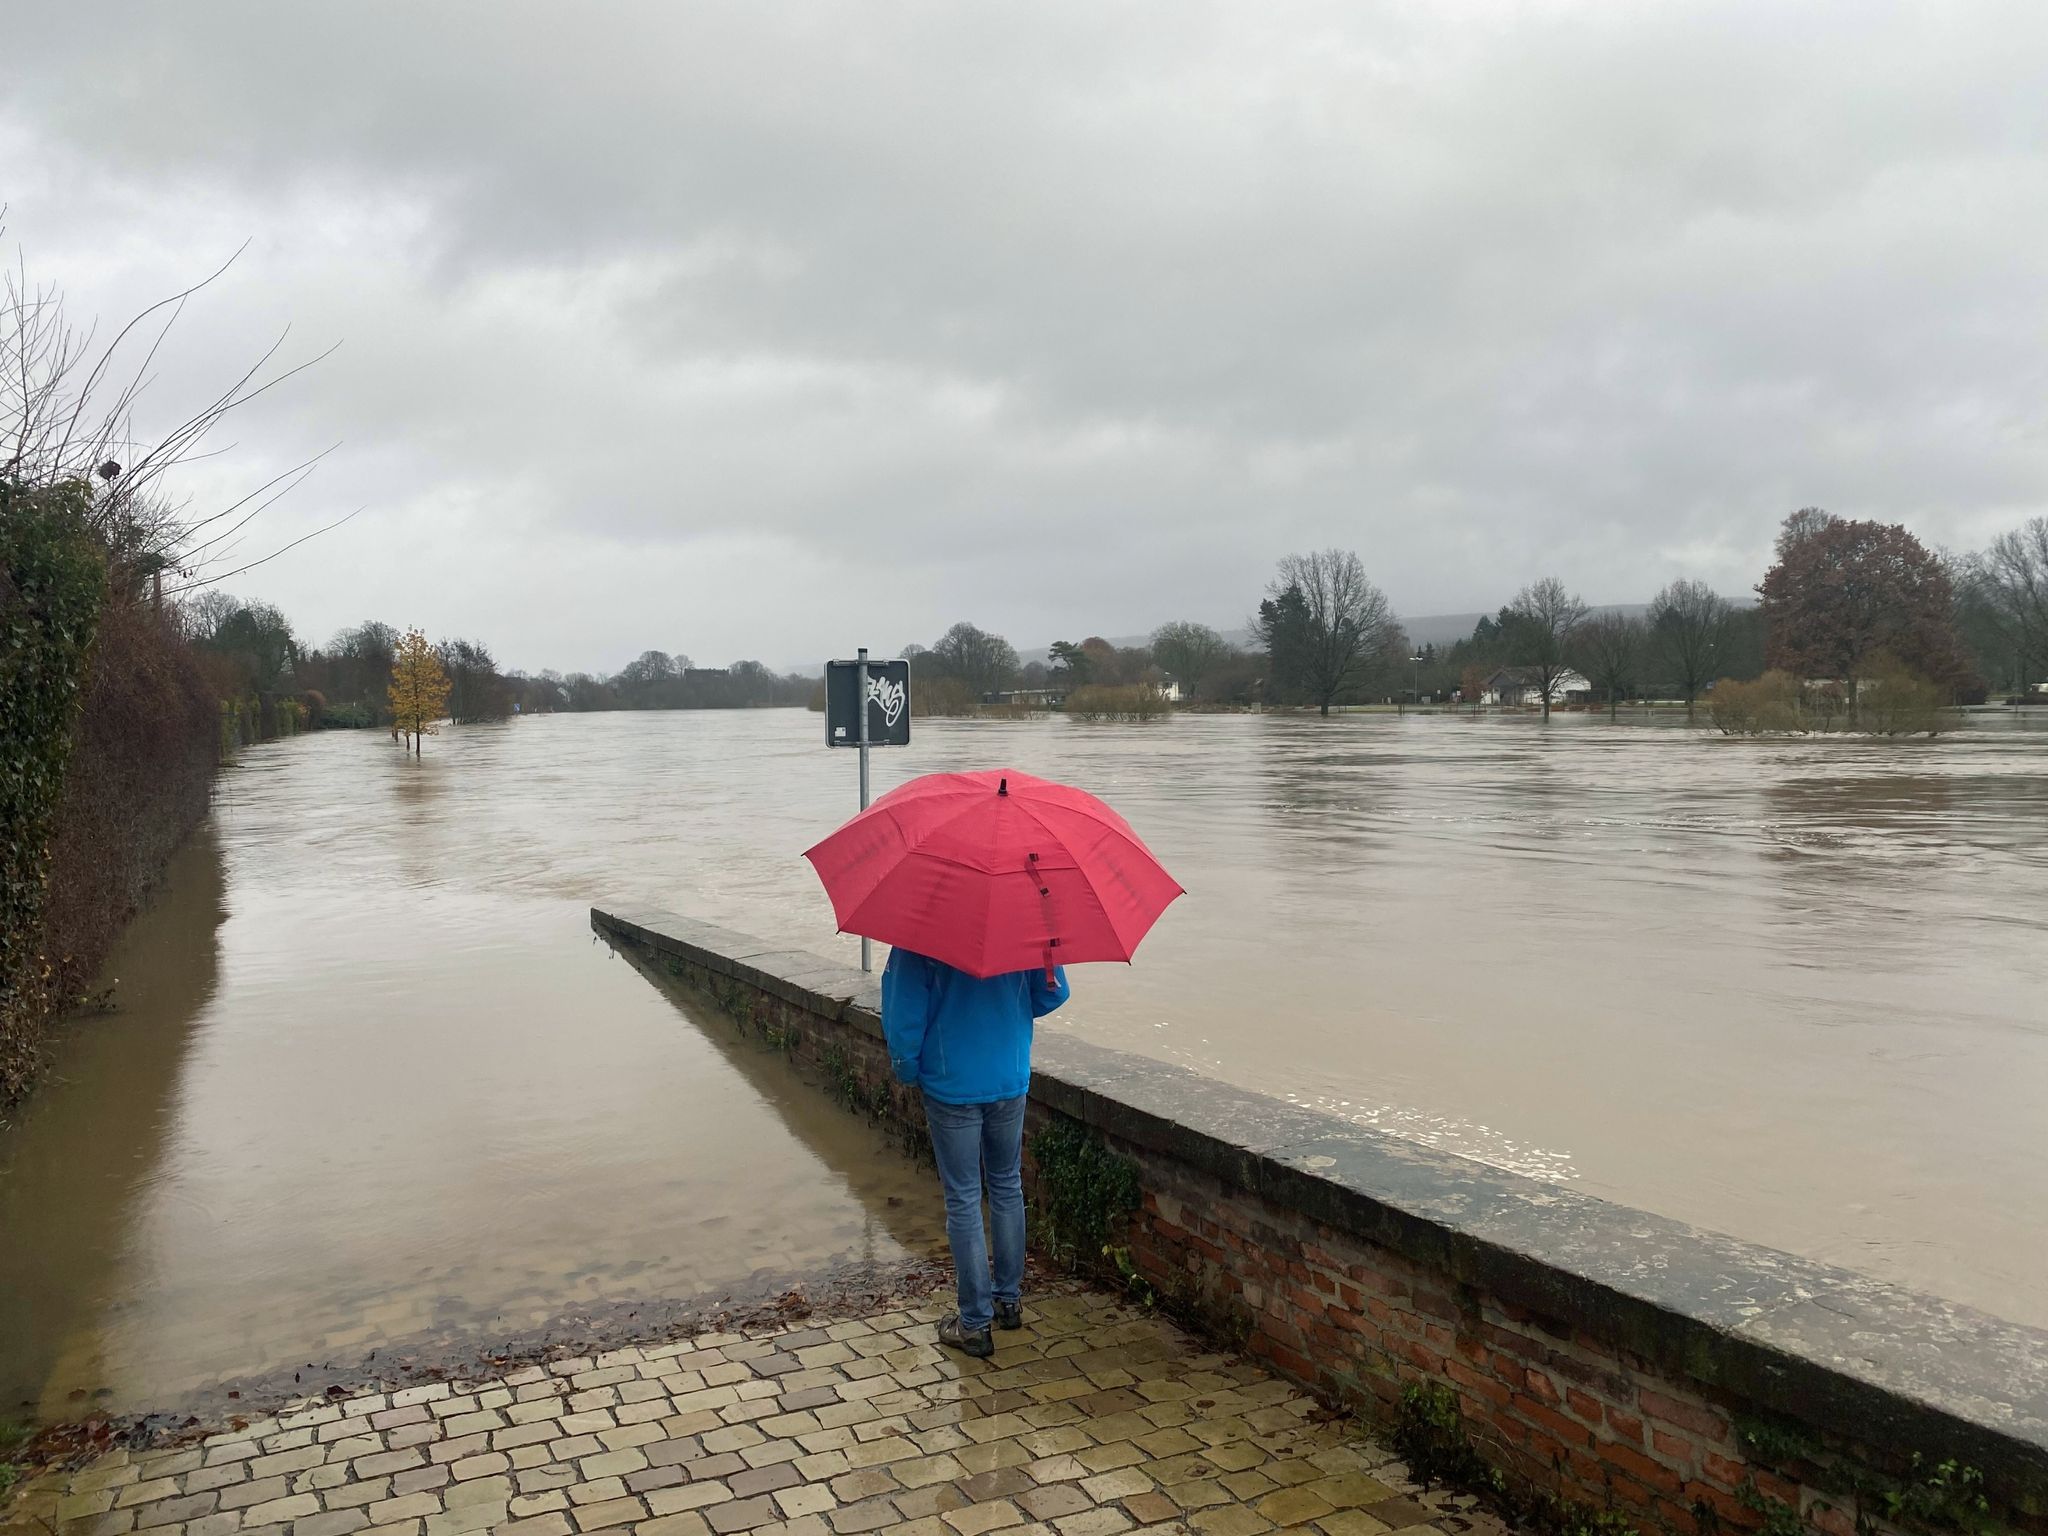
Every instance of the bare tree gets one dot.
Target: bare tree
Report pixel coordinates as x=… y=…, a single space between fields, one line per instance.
x=1188 y=651
x=1325 y=626
x=1609 y=648
x=363 y=657
x=1690 y=622
x=476 y=690
x=984 y=662
x=2011 y=580
x=1546 y=617
x=67 y=415
x=1802 y=525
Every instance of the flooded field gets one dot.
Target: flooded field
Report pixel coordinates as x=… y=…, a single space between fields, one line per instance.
x=372 y=1079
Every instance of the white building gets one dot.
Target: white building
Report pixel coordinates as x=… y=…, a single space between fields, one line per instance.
x=1524 y=685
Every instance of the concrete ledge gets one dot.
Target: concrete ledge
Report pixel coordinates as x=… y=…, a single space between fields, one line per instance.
x=1744 y=1329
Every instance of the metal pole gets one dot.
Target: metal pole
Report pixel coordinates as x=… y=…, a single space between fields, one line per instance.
x=860 y=683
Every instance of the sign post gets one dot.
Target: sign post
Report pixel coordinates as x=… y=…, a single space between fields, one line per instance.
x=867 y=945
x=867 y=704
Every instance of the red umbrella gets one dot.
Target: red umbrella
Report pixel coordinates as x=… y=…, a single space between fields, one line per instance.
x=994 y=872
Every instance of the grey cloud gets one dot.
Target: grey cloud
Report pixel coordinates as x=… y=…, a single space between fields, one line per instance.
x=1070 y=317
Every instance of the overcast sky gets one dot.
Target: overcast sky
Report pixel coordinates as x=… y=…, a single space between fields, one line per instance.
x=767 y=330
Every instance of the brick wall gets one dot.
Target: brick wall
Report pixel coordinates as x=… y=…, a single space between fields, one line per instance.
x=1548 y=1403
x=1572 y=1383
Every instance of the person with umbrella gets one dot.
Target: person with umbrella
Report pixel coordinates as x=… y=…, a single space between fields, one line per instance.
x=964 y=1042
x=987 y=885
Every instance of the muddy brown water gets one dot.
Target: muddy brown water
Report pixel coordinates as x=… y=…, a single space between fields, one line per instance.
x=371 y=1077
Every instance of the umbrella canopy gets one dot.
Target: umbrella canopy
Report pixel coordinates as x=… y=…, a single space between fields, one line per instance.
x=994 y=872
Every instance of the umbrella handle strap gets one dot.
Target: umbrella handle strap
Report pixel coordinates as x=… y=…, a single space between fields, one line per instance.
x=1031 y=861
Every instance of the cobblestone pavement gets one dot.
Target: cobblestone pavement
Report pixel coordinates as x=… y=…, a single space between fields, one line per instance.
x=1092 y=1421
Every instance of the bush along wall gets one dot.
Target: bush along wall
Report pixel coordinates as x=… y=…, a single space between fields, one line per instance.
x=111 y=739
x=53 y=587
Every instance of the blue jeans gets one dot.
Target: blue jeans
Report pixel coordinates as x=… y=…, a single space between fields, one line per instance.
x=973 y=1143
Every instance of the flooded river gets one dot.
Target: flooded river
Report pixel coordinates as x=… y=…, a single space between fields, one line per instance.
x=372 y=1080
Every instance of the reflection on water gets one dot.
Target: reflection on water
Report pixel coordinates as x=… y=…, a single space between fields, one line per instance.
x=383 y=1099
x=74 y=1182
x=1790 y=990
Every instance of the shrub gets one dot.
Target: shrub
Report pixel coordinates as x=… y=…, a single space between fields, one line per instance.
x=53 y=585
x=941 y=696
x=111 y=734
x=1086 y=1191
x=1771 y=703
x=1828 y=703
x=1891 y=701
x=1136 y=701
x=1898 y=702
x=346 y=717
x=140 y=779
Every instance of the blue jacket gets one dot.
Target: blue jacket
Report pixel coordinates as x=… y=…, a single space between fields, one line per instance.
x=963 y=1039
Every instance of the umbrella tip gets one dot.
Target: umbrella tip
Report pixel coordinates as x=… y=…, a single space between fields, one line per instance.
x=1003 y=787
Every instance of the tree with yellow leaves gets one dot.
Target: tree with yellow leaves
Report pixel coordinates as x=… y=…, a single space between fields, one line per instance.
x=419 y=688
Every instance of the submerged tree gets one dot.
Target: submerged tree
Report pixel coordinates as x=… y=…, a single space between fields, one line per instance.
x=419 y=689
x=1609 y=649
x=476 y=690
x=1324 y=626
x=360 y=661
x=2010 y=582
x=1542 y=621
x=1281 y=629
x=984 y=662
x=1069 y=662
x=1689 y=620
x=1844 y=590
x=1190 y=652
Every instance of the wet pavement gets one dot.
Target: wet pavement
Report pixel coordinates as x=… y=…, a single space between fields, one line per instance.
x=1094 y=1420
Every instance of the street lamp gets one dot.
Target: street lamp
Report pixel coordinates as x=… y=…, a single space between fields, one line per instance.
x=1416 y=678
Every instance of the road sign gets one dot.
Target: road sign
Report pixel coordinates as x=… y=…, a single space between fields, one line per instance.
x=888 y=689
x=885 y=722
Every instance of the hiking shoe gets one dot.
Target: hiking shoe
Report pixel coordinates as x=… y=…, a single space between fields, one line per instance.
x=953 y=1335
x=1010 y=1315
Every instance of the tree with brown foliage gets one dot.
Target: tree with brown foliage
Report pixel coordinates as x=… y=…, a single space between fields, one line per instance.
x=1844 y=590
x=419 y=689
x=1103 y=662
